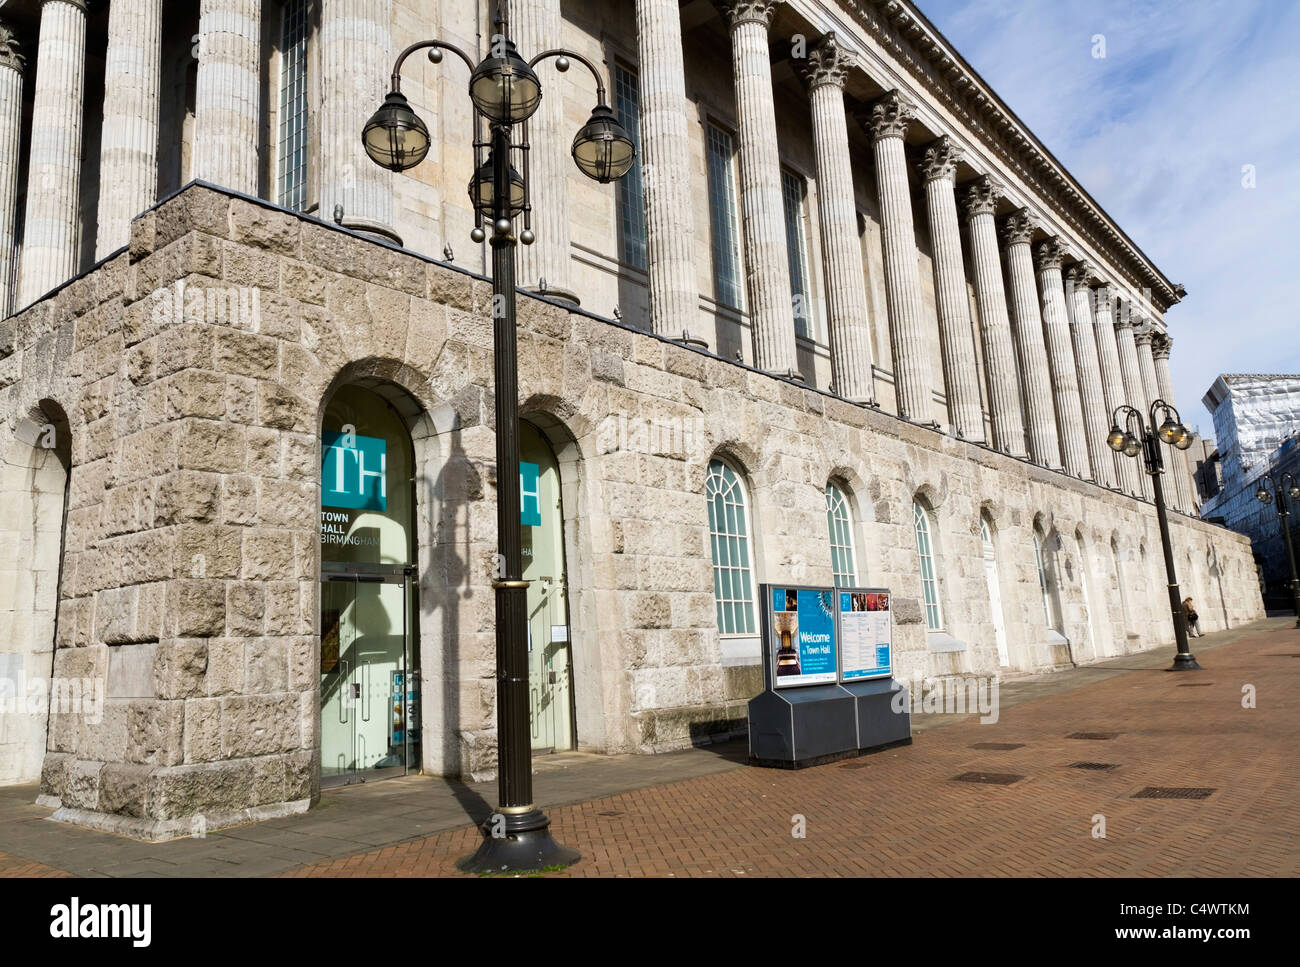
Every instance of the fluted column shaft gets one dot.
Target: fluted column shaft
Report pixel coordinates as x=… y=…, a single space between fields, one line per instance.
x=1112 y=380
x=888 y=122
x=227 y=100
x=52 y=228
x=995 y=324
x=128 y=165
x=536 y=26
x=11 y=130
x=1096 y=418
x=1134 y=388
x=771 y=310
x=1142 y=336
x=1182 y=471
x=1060 y=358
x=1044 y=446
x=961 y=374
x=666 y=169
x=356 y=55
x=846 y=291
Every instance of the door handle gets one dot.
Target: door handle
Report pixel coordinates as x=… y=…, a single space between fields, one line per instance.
x=345 y=692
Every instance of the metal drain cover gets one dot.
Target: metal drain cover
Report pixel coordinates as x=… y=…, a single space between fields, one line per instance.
x=991 y=778
x=1098 y=766
x=1174 y=792
x=999 y=746
x=1196 y=684
x=611 y=813
x=855 y=765
x=1096 y=736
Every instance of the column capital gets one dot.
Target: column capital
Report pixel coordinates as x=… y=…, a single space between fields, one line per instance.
x=827 y=63
x=11 y=52
x=80 y=4
x=1018 y=227
x=888 y=117
x=1161 y=346
x=737 y=12
x=1081 y=274
x=940 y=159
x=1123 y=315
x=1049 y=254
x=981 y=196
x=1144 y=333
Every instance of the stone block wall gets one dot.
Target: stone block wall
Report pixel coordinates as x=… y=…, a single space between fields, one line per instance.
x=194 y=370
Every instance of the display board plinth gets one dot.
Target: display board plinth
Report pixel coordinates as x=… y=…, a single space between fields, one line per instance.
x=799 y=727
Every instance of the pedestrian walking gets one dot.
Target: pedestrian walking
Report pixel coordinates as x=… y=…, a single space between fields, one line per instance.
x=1193 y=619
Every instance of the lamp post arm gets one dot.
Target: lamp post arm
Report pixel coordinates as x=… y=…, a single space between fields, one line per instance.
x=401 y=58
x=560 y=52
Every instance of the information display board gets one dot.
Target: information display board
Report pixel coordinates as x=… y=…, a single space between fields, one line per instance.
x=865 y=636
x=802 y=629
x=817 y=636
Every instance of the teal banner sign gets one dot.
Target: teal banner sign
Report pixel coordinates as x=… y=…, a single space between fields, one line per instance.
x=530 y=494
x=353 y=469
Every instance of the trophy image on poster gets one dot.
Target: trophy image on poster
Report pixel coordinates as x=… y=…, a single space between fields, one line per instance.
x=786 y=623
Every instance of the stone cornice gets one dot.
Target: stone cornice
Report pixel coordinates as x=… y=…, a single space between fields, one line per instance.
x=1049 y=254
x=11 y=52
x=1018 y=227
x=827 y=63
x=918 y=47
x=737 y=12
x=940 y=159
x=981 y=196
x=888 y=117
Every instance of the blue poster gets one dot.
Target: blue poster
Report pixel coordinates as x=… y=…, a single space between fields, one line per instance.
x=803 y=629
x=353 y=471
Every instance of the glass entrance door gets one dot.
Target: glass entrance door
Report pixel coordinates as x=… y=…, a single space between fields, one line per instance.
x=369 y=694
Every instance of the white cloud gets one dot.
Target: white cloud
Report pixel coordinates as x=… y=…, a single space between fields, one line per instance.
x=1158 y=131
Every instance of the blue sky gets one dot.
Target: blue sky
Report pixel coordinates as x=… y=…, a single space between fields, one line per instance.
x=1158 y=132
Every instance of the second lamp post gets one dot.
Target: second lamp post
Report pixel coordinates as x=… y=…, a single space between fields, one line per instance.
x=1146 y=441
x=505 y=92
x=1282 y=488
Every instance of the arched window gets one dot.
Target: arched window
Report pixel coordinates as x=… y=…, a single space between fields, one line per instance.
x=839 y=521
x=1046 y=581
x=995 y=591
x=924 y=551
x=729 y=540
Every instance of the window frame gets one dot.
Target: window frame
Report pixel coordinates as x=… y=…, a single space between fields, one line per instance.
x=845 y=550
x=797 y=252
x=294 y=57
x=731 y=189
x=930 y=598
x=730 y=606
x=633 y=252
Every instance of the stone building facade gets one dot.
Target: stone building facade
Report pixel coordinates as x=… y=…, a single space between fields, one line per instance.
x=914 y=324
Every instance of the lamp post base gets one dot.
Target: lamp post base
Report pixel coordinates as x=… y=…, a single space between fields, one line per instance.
x=517 y=843
x=1184 y=663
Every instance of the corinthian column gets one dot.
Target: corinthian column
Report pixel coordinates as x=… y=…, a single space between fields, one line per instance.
x=11 y=130
x=1037 y=385
x=356 y=54
x=227 y=94
x=1096 y=418
x=846 y=292
x=52 y=229
x=1112 y=380
x=887 y=123
x=1142 y=336
x=536 y=26
x=1182 y=472
x=771 y=308
x=961 y=375
x=981 y=200
x=1132 y=370
x=666 y=169
x=128 y=158
x=1060 y=358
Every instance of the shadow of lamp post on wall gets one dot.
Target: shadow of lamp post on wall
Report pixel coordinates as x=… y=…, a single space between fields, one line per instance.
x=1145 y=438
x=1282 y=488
x=505 y=91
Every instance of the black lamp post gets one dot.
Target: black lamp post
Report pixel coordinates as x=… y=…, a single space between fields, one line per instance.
x=1147 y=441
x=505 y=92
x=1284 y=487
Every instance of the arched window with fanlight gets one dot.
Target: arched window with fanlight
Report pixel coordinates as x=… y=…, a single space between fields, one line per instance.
x=925 y=553
x=1046 y=581
x=733 y=585
x=839 y=522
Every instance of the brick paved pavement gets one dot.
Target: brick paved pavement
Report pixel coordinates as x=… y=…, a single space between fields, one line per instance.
x=896 y=812
x=899 y=812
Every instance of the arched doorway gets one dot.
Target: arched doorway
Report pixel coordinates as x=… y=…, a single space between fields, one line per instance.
x=550 y=654
x=369 y=665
